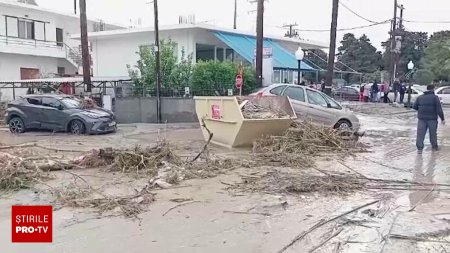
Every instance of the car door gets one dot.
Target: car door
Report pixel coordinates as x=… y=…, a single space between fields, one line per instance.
x=318 y=110
x=352 y=94
x=444 y=94
x=54 y=117
x=296 y=95
x=32 y=112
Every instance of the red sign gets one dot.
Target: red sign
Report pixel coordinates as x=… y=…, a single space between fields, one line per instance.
x=32 y=224
x=215 y=112
x=239 y=81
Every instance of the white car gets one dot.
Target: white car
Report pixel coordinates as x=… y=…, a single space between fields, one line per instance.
x=416 y=91
x=444 y=94
x=314 y=105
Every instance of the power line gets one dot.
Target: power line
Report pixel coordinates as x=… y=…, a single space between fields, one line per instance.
x=347 y=29
x=356 y=14
x=427 y=22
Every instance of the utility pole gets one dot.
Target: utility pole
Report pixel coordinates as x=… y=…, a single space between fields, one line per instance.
x=393 y=44
x=86 y=57
x=331 y=54
x=158 y=62
x=400 y=26
x=75 y=6
x=235 y=15
x=290 y=32
x=259 y=42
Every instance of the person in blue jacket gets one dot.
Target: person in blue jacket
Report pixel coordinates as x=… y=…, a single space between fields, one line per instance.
x=429 y=108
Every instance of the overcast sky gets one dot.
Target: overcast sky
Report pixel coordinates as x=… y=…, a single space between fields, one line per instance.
x=308 y=14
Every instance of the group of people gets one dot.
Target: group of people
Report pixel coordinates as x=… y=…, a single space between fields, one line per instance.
x=375 y=92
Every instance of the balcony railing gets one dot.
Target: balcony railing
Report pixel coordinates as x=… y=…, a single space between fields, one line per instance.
x=71 y=54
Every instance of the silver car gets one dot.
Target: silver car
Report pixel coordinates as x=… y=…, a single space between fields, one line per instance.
x=314 y=105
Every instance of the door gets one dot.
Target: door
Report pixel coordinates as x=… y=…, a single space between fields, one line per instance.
x=444 y=94
x=59 y=37
x=54 y=117
x=352 y=94
x=318 y=109
x=33 y=113
x=29 y=73
x=298 y=101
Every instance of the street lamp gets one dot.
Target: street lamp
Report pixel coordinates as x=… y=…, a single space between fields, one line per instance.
x=299 y=55
x=411 y=70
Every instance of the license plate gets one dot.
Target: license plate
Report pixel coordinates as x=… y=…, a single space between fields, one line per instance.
x=112 y=124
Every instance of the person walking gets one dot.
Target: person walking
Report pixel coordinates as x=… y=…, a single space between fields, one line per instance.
x=396 y=88
x=385 y=91
x=402 y=92
x=374 y=91
x=429 y=108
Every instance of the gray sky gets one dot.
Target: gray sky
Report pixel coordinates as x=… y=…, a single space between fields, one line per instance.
x=312 y=14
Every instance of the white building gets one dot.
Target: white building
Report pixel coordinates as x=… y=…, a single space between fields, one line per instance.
x=113 y=50
x=35 y=43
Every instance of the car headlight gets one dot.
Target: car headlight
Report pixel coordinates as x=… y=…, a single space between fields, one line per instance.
x=91 y=115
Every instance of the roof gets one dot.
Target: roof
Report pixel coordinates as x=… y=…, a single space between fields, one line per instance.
x=70 y=80
x=245 y=46
x=27 y=6
x=131 y=31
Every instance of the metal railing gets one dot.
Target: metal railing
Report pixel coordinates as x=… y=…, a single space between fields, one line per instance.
x=71 y=54
x=182 y=92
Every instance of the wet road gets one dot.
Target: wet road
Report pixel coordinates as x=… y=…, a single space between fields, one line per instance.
x=214 y=224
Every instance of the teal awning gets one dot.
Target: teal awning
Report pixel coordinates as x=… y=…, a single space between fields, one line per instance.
x=245 y=46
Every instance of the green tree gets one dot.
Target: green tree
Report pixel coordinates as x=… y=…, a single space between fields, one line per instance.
x=182 y=72
x=215 y=78
x=423 y=77
x=143 y=73
x=437 y=55
x=413 y=47
x=358 y=54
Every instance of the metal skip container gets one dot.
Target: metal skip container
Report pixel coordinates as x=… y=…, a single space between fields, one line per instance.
x=239 y=121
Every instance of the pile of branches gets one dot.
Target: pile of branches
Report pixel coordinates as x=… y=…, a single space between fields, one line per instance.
x=252 y=110
x=297 y=182
x=158 y=162
x=129 y=206
x=139 y=160
x=301 y=143
x=22 y=173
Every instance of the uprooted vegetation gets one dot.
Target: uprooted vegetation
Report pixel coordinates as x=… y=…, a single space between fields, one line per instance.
x=298 y=146
x=159 y=166
x=300 y=182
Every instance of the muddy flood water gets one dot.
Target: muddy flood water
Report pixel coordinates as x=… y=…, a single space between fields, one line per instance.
x=395 y=200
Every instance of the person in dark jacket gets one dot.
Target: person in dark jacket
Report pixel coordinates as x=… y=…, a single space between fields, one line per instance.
x=374 y=91
x=402 y=92
x=429 y=108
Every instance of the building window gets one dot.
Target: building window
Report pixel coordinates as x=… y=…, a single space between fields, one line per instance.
x=61 y=71
x=26 y=29
x=219 y=54
x=204 y=52
x=230 y=54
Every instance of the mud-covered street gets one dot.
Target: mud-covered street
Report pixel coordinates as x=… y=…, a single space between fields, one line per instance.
x=378 y=196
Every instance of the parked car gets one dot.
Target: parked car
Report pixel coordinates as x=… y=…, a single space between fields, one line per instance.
x=314 y=105
x=347 y=93
x=57 y=113
x=416 y=91
x=444 y=94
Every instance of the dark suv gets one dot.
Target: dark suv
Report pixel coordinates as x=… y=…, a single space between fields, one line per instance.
x=58 y=113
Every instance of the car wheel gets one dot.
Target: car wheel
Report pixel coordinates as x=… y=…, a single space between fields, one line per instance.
x=343 y=125
x=77 y=127
x=16 y=125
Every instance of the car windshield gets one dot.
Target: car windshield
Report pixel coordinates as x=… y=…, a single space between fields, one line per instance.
x=71 y=103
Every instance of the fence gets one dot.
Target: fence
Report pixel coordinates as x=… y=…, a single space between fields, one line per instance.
x=181 y=92
x=143 y=110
